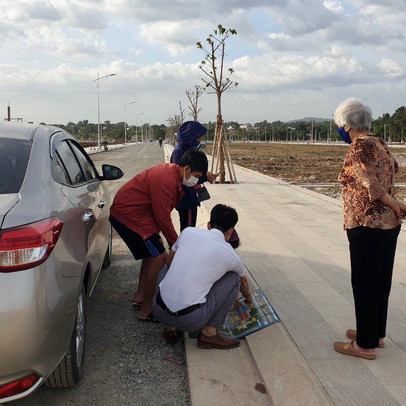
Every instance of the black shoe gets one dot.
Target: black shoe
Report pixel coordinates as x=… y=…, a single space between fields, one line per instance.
x=171 y=336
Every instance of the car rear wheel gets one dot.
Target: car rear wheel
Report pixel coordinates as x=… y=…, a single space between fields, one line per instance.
x=107 y=257
x=70 y=369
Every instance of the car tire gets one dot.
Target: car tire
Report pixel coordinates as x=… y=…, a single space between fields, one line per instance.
x=70 y=369
x=107 y=256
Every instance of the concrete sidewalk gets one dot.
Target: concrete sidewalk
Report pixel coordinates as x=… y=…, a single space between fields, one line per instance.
x=296 y=251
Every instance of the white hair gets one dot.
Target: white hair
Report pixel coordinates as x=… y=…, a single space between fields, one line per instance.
x=353 y=113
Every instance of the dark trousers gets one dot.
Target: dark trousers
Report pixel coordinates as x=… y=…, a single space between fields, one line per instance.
x=372 y=252
x=187 y=217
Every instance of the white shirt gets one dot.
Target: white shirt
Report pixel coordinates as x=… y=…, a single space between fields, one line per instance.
x=201 y=258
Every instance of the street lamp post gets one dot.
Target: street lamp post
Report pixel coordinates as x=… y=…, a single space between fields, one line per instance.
x=142 y=130
x=136 y=128
x=125 y=120
x=97 y=81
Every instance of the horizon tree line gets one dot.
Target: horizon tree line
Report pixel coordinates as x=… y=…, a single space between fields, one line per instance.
x=392 y=128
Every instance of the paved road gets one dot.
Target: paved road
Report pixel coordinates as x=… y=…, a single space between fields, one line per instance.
x=125 y=360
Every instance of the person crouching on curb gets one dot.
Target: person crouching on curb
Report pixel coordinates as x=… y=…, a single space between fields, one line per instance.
x=142 y=209
x=200 y=282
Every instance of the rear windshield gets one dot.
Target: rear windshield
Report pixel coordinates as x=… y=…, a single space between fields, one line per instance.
x=14 y=155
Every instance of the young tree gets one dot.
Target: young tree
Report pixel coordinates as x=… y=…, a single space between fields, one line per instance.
x=174 y=123
x=193 y=97
x=217 y=78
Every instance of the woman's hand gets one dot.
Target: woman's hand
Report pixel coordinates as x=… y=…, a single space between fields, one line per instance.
x=211 y=177
x=402 y=208
x=398 y=207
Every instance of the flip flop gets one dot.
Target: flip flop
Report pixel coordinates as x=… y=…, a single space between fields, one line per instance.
x=135 y=304
x=352 y=335
x=149 y=318
x=348 y=349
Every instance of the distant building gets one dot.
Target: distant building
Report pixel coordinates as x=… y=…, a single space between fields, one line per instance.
x=231 y=130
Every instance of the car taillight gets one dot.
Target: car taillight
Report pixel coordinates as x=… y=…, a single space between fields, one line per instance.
x=17 y=387
x=28 y=246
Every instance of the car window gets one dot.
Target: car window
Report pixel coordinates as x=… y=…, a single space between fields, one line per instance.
x=14 y=156
x=86 y=164
x=70 y=163
x=58 y=170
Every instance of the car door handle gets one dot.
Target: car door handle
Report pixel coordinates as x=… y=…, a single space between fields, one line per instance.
x=102 y=203
x=87 y=216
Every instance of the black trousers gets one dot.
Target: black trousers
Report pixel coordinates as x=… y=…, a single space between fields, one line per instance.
x=372 y=252
x=187 y=217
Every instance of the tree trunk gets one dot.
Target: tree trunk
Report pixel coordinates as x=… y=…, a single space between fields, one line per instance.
x=220 y=140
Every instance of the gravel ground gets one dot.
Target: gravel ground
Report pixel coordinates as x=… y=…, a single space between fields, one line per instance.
x=127 y=361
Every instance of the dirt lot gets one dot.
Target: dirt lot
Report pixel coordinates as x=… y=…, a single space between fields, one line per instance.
x=304 y=164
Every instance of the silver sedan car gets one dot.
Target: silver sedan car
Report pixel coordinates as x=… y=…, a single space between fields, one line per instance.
x=55 y=237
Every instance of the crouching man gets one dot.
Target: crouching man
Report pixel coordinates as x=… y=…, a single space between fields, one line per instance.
x=201 y=281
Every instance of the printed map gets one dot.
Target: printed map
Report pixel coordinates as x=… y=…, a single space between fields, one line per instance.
x=247 y=319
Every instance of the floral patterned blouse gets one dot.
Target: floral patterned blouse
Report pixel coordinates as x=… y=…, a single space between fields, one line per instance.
x=368 y=173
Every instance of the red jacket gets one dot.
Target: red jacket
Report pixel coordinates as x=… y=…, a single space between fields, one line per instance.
x=145 y=202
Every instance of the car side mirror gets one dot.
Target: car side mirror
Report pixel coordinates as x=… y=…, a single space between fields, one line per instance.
x=111 y=172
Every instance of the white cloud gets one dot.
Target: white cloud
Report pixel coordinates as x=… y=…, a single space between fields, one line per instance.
x=284 y=53
x=359 y=30
x=334 y=5
x=391 y=68
x=269 y=73
x=286 y=44
x=175 y=10
x=135 y=51
x=178 y=36
x=298 y=18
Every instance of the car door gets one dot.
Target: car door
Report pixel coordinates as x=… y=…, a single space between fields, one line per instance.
x=80 y=221
x=101 y=228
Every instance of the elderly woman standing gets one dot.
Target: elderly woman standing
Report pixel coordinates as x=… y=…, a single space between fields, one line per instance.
x=372 y=219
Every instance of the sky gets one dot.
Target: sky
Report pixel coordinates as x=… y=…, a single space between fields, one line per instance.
x=291 y=58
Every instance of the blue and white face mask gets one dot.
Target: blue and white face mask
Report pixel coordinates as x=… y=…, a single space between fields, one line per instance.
x=201 y=145
x=345 y=135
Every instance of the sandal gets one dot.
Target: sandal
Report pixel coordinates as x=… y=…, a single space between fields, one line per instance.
x=150 y=318
x=171 y=336
x=348 y=349
x=352 y=335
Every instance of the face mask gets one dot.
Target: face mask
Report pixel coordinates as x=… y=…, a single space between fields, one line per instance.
x=345 y=135
x=191 y=181
x=201 y=145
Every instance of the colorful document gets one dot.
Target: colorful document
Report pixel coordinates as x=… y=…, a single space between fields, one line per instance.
x=246 y=319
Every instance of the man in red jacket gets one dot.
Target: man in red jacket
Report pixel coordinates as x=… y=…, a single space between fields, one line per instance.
x=142 y=209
